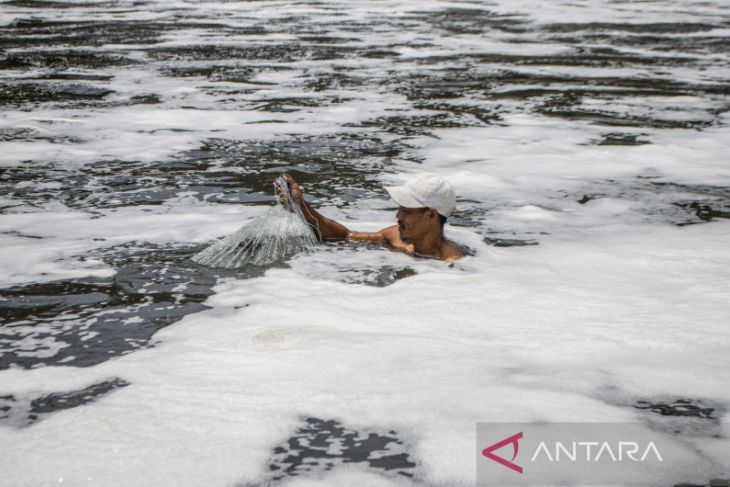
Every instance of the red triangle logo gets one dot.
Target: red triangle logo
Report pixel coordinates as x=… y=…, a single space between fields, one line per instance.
x=487 y=452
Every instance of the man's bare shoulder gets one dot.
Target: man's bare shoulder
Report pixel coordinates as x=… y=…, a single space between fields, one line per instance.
x=391 y=235
x=451 y=252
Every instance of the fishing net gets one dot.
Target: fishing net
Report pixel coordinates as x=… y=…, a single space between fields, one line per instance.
x=272 y=237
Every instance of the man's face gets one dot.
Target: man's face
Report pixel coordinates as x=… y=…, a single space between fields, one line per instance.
x=413 y=223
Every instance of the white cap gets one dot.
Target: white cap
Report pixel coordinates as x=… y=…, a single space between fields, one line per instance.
x=425 y=191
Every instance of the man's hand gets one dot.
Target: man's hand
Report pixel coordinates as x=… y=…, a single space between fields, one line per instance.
x=323 y=227
x=293 y=190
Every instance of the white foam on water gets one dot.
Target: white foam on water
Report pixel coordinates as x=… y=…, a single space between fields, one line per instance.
x=566 y=11
x=51 y=244
x=349 y=477
x=551 y=329
x=155 y=134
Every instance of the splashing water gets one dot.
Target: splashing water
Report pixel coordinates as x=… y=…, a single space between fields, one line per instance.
x=272 y=237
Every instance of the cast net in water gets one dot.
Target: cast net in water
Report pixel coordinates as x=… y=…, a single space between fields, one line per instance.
x=272 y=237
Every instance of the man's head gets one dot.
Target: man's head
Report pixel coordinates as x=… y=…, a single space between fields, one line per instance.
x=425 y=201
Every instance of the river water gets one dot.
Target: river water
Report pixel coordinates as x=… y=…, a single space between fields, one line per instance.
x=588 y=145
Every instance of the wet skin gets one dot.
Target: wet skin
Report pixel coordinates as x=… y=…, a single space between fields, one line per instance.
x=417 y=233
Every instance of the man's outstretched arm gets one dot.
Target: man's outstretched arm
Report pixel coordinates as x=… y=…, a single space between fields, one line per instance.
x=326 y=228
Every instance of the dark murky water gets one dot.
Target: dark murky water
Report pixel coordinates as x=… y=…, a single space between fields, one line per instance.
x=87 y=321
x=21 y=412
x=322 y=445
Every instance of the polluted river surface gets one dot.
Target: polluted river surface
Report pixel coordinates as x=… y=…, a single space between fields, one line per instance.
x=588 y=145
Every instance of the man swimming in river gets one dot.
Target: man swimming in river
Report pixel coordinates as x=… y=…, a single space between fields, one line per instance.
x=425 y=202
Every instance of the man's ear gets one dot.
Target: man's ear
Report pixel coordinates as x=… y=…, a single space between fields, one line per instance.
x=432 y=214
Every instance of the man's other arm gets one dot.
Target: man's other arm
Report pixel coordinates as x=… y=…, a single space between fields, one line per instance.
x=387 y=236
